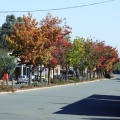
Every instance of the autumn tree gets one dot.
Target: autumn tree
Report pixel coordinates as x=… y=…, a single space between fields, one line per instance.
x=50 y=32
x=26 y=41
x=109 y=59
x=53 y=31
x=60 y=53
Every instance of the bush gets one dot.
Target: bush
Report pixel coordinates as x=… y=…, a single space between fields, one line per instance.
x=59 y=81
x=24 y=87
x=74 y=79
x=37 y=84
x=71 y=81
x=5 y=88
x=33 y=85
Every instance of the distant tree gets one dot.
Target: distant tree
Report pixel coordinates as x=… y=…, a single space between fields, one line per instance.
x=7 y=29
x=19 y=19
x=118 y=66
x=109 y=60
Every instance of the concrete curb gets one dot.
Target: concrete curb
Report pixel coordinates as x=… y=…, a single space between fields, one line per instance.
x=51 y=86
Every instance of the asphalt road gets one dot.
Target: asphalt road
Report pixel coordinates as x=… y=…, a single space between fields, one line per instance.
x=99 y=100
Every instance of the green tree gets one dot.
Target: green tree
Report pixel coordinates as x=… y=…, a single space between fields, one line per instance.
x=75 y=56
x=118 y=66
x=7 y=63
x=7 y=29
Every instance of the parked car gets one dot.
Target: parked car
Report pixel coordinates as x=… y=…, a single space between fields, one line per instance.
x=70 y=73
x=23 y=79
x=61 y=76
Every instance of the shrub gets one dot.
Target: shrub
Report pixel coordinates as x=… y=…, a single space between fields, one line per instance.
x=59 y=81
x=37 y=85
x=5 y=88
x=24 y=87
x=74 y=79
x=71 y=81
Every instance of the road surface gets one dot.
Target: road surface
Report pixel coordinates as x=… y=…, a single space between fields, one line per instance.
x=98 y=100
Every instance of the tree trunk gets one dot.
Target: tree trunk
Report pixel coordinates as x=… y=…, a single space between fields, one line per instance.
x=40 y=76
x=53 y=75
x=87 y=76
x=41 y=70
x=82 y=74
x=49 y=81
x=90 y=74
x=93 y=74
x=30 y=80
x=67 y=74
x=78 y=74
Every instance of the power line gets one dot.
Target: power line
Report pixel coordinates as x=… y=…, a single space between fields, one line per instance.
x=59 y=8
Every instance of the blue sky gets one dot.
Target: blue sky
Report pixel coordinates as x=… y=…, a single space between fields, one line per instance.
x=101 y=21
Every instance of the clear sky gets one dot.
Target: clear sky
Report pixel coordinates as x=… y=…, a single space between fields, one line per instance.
x=101 y=21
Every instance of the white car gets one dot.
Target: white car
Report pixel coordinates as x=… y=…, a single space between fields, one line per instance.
x=23 y=79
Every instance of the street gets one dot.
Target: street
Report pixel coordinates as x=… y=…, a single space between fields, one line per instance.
x=98 y=100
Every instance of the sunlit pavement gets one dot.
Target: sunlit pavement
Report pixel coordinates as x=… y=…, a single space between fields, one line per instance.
x=99 y=100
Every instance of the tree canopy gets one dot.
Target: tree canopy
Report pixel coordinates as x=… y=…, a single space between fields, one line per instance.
x=7 y=63
x=7 y=29
x=48 y=43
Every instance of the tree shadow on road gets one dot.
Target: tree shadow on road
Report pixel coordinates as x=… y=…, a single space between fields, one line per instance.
x=95 y=105
x=100 y=119
x=116 y=79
